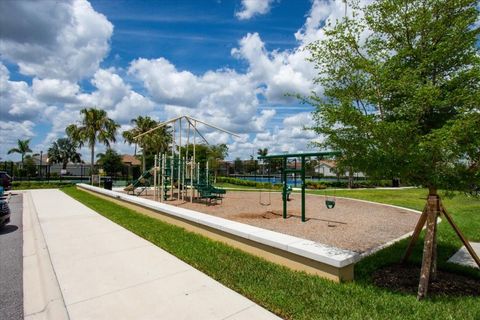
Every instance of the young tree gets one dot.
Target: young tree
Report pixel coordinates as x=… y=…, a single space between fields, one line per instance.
x=262 y=153
x=216 y=153
x=110 y=161
x=238 y=165
x=95 y=127
x=63 y=151
x=22 y=147
x=401 y=84
x=29 y=167
x=156 y=141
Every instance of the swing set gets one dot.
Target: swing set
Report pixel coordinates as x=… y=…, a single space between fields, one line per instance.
x=286 y=190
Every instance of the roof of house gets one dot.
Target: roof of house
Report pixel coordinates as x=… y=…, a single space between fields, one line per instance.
x=328 y=163
x=132 y=160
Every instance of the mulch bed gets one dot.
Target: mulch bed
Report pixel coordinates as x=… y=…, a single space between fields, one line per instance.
x=404 y=279
x=353 y=225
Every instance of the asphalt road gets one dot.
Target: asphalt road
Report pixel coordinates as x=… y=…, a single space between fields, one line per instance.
x=11 y=262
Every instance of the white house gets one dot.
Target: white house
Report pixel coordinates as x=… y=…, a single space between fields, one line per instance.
x=328 y=168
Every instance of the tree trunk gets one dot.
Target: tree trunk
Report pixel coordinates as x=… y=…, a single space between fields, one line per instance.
x=350 y=178
x=92 y=157
x=429 y=263
x=144 y=165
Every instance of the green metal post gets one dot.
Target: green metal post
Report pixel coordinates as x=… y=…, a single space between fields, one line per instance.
x=284 y=195
x=303 y=189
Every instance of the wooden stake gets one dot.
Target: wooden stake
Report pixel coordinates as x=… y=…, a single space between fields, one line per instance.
x=428 y=247
x=460 y=235
x=416 y=233
x=433 y=270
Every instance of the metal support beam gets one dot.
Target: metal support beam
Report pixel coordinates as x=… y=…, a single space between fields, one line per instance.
x=303 y=189
x=284 y=194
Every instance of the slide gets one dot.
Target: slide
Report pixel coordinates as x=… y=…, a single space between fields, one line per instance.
x=140 y=181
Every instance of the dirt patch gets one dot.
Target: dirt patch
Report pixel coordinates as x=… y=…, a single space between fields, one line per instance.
x=404 y=279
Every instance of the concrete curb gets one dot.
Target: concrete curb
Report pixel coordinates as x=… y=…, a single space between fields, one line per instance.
x=41 y=291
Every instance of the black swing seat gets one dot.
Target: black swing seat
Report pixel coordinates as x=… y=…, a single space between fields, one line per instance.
x=330 y=204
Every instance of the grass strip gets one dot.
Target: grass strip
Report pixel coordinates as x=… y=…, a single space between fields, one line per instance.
x=290 y=294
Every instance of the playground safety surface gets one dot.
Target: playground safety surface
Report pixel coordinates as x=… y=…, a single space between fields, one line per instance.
x=353 y=225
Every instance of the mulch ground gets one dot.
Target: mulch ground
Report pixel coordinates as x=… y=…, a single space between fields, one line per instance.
x=353 y=225
x=404 y=279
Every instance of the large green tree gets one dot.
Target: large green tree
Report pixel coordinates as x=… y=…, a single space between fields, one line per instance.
x=110 y=161
x=63 y=151
x=23 y=147
x=401 y=98
x=95 y=127
x=154 y=142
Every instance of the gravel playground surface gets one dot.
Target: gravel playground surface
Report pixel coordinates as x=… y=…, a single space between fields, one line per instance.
x=352 y=224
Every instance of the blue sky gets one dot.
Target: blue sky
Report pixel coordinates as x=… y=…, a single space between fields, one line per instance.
x=227 y=62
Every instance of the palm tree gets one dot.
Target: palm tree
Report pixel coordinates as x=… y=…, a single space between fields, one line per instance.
x=62 y=151
x=154 y=142
x=95 y=127
x=22 y=147
x=263 y=153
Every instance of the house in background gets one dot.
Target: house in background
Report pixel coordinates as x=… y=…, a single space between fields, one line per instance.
x=130 y=160
x=133 y=165
x=328 y=168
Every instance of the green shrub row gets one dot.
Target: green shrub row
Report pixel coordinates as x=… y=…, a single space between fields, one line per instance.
x=24 y=185
x=310 y=184
x=249 y=183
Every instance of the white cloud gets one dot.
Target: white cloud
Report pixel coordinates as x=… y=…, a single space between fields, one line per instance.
x=252 y=8
x=223 y=97
x=282 y=73
x=55 y=90
x=11 y=131
x=52 y=39
x=64 y=43
x=17 y=101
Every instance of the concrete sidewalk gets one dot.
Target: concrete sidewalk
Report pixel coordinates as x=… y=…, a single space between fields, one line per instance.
x=106 y=272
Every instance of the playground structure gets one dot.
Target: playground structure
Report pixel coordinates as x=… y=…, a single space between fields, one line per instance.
x=177 y=174
x=286 y=190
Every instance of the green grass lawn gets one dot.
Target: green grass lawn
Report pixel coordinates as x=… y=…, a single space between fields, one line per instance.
x=296 y=295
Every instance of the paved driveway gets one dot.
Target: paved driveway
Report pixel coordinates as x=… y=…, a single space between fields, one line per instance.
x=11 y=263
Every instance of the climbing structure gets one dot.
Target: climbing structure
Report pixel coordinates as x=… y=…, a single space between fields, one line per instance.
x=177 y=174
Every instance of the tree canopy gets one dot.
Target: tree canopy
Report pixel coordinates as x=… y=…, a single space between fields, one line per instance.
x=95 y=126
x=154 y=142
x=401 y=91
x=23 y=148
x=401 y=98
x=110 y=161
x=63 y=151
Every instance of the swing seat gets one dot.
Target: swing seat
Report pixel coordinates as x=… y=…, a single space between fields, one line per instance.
x=330 y=204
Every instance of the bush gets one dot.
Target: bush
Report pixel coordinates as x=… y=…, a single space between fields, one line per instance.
x=249 y=183
x=24 y=185
x=310 y=184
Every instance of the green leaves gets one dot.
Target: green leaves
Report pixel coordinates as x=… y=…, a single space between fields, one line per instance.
x=23 y=147
x=64 y=150
x=402 y=90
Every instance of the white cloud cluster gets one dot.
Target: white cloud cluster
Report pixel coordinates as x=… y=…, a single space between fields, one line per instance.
x=60 y=43
x=282 y=72
x=54 y=39
x=224 y=97
x=17 y=102
x=252 y=8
